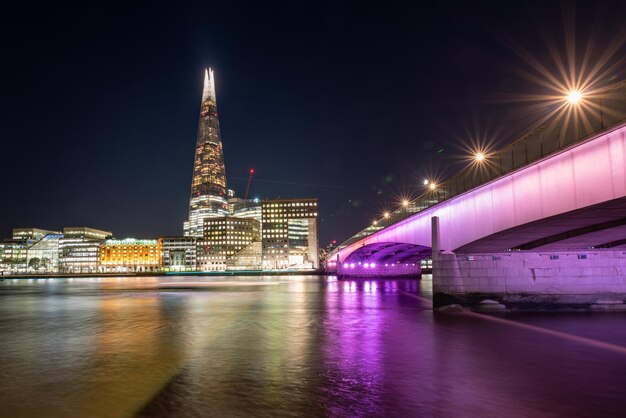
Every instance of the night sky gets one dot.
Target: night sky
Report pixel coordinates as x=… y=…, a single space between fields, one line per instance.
x=352 y=103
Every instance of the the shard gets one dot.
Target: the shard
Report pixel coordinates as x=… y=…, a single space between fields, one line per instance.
x=208 y=184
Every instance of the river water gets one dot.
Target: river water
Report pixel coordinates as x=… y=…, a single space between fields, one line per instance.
x=271 y=346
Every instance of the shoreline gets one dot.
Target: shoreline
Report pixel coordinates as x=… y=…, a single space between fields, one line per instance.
x=167 y=273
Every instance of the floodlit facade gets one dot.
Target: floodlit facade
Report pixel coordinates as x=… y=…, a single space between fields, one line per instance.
x=130 y=255
x=79 y=249
x=290 y=234
x=208 y=185
x=224 y=238
x=179 y=253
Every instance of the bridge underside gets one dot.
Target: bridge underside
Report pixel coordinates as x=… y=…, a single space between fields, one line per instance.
x=598 y=226
x=384 y=259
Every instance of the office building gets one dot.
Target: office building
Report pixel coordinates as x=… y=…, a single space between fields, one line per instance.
x=43 y=255
x=224 y=238
x=13 y=255
x=245 y=208
x=79 y=249
x=179 y=253
x=290 y=234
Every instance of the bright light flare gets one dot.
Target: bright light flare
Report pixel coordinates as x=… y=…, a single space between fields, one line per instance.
x=574 y=97
x=432 y=186
x=386 y=214
x=479 y=157
x=405 y=203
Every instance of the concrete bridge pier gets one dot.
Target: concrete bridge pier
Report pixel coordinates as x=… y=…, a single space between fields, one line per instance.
x=585 y=279
x=593 y=279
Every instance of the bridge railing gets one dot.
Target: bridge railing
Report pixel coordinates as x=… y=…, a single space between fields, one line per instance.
x=600 y=112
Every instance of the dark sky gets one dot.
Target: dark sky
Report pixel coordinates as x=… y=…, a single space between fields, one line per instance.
x=352 y=101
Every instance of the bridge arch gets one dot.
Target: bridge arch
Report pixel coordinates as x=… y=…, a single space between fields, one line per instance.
x=387 y=258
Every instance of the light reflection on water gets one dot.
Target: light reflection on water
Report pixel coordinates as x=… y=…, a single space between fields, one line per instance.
x=295 y=346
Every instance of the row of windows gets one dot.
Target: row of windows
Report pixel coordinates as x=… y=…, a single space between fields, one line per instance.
x=289 y=204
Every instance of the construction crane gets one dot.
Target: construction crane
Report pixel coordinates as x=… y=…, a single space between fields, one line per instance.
x=251 y=173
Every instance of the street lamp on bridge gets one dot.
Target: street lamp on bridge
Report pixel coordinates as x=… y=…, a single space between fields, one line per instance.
x=574 y=97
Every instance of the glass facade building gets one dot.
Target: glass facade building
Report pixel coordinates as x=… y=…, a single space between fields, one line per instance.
x=208 y=184
x=245 y=208
x=290 y=235
x=43 y=255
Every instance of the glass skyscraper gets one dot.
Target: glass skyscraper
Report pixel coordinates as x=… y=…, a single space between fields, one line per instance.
x=208 y=185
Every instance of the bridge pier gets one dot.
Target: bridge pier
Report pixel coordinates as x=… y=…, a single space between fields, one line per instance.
x=525 y=280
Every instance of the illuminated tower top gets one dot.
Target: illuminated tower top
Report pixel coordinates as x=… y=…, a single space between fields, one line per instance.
x=209 y=125
x=209 y=86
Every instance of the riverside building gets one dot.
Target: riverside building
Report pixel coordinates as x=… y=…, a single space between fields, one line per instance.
x=79 y=249
x=208 y=184
x=130 y=255
x=179 y=253
x=223 y=239
x=14 y=251
x=290 y=234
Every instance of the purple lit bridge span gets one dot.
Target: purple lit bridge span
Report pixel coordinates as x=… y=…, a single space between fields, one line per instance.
x=567 y=205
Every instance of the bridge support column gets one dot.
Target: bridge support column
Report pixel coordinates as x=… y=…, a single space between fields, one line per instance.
x=446 y=275
x=572 y=280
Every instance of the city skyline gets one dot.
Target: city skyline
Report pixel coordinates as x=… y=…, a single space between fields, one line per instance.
x=356 y=114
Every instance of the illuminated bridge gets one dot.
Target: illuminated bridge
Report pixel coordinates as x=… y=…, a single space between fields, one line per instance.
x=546 y=215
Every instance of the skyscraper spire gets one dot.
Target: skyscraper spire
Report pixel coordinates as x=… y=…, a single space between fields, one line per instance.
x=208 y=184
x=209 y=86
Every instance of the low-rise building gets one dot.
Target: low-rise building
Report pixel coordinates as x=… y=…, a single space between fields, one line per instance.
x=179 y=253
x=13 y=256
x=130 y=255
x=79 y=249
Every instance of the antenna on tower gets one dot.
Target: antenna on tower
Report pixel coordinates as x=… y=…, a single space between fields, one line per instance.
x=251 y=173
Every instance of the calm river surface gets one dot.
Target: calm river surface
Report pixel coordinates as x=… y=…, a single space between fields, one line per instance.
x=271 y=346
